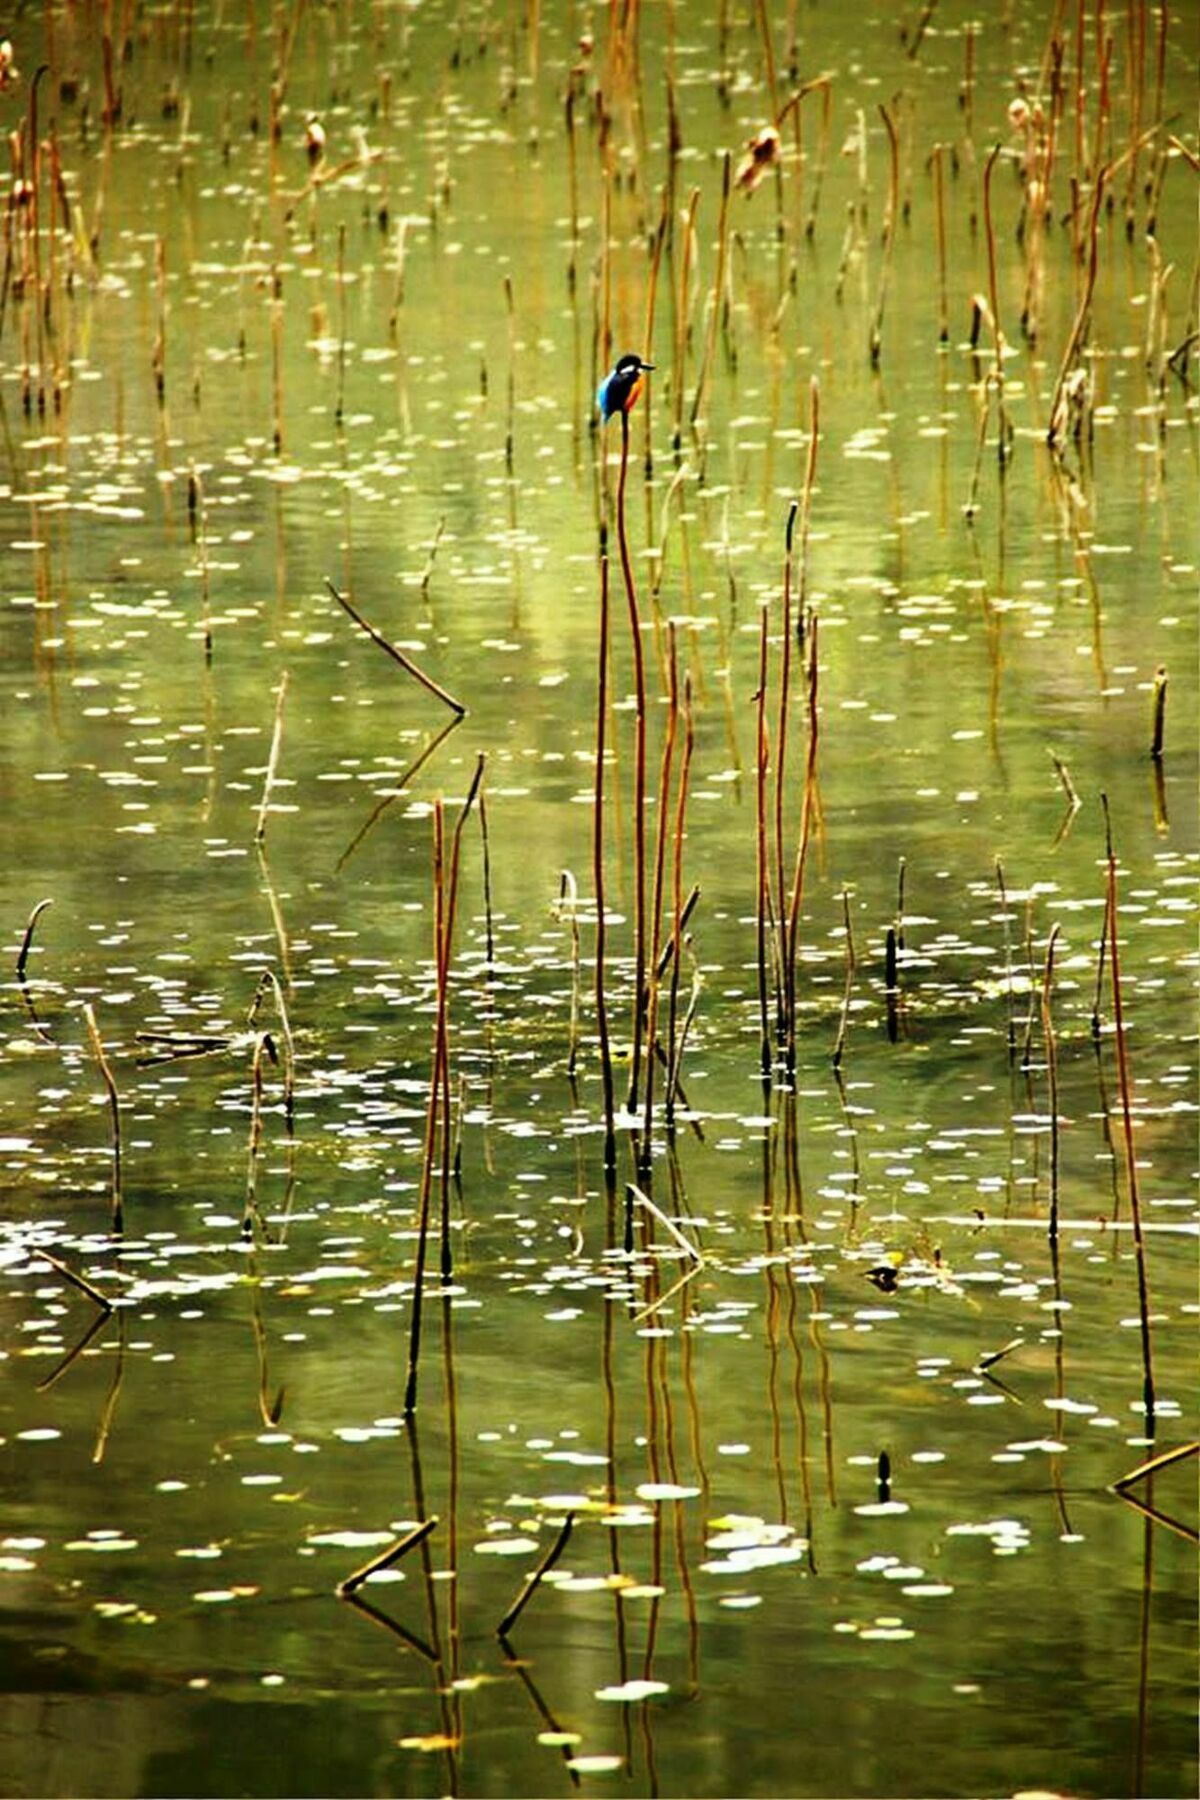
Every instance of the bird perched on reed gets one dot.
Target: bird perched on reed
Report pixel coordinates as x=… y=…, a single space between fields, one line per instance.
x=618 y=391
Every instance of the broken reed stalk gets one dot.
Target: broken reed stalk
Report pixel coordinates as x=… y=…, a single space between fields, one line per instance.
x=1065 y=782
x=114 y=1104
x=639 y=773
x=606 y=1070
x=568 y=902
x=398 y=656
x=533 y=1581
x=660 y=868
x=1159 y=715
x=386 y=1558
x=1154 y=1464
x=843 y=1022
x=79 y=1281
x=1135 y=1202
x=633 y=1192
x=27 y=940
x=875 y=344
x=1051 y=1078
x=260 y=830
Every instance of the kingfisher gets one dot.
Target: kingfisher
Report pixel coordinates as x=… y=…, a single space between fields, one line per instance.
x=618 y=391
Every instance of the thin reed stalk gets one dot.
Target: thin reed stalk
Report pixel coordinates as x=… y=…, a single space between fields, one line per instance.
x=431 y=1116
x=718 y=293
x=1123 y=1084
x=808 y=807
x=606 y=1069
x=679 y=910
x=114 y=1105
x=27 y=939
x=268 y=979
x=994 y=301
x=1051 y=1046
x=639 y=774
x=939 y=194
x=781 y=740
x=260 y=829
x=763 y=899
x=875 y=344
x=442 y=1052
x=660 y=867
x=568 y=905
x=844 y=1019
x=1160 y=713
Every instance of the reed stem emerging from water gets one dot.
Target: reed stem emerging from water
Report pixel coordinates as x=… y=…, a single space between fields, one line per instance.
x=1135 y=1201
x=1051 y=1078
x=639 y=775
x=606 y=1071
x=114 y=1104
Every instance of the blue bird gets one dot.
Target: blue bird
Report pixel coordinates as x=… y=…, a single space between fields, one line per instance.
x=618 y=391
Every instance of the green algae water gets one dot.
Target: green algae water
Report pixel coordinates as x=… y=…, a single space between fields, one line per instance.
x=305 y=296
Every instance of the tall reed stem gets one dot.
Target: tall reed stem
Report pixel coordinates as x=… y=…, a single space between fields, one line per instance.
x=1135 y=1200
x=606 y=1072
x=639 y=775
x=1052 y=1078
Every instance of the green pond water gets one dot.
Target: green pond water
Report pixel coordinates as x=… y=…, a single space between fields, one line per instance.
x=822 y=1545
